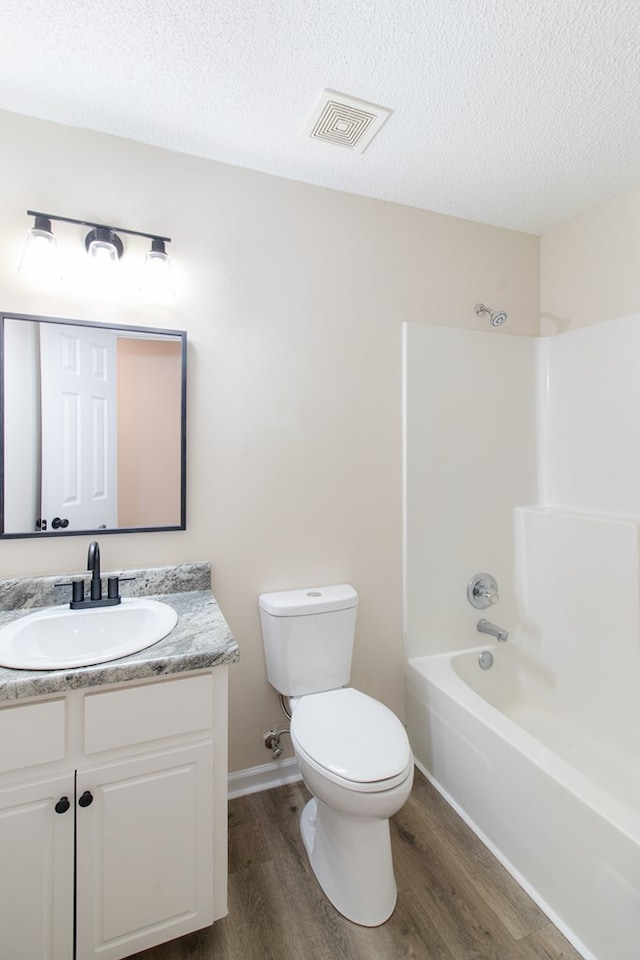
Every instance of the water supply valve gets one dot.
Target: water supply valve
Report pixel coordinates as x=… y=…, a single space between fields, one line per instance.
x=272 y=742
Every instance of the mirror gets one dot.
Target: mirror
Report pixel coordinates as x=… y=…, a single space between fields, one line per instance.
x=93 y=420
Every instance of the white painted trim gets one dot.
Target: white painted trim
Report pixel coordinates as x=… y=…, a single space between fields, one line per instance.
x=264 y=777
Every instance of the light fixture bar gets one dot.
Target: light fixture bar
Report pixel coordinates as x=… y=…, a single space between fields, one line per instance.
x=104 y=226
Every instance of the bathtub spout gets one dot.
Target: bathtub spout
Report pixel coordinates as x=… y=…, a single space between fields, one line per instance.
x=485 y=626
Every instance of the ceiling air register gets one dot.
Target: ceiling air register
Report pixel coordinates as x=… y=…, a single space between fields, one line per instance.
x=344 y=121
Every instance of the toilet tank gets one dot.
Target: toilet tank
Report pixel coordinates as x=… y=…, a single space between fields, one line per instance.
x=308 y=638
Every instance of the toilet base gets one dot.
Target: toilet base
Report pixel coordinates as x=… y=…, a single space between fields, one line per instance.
x=351 y=858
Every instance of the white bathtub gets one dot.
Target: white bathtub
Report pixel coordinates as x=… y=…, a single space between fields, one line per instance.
x=556 y=802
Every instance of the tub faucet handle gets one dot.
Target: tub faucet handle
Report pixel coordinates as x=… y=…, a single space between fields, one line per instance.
x=482 y=591
x=489 y=595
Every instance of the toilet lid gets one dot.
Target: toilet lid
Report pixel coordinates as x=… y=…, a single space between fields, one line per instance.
x=351 y=735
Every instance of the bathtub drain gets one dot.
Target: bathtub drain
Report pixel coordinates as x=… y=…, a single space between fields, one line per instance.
x=485 y=660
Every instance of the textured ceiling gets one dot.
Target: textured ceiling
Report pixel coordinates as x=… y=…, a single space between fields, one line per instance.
x=519 y=113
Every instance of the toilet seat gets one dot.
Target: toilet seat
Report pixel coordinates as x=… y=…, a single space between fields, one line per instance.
x=351 y=739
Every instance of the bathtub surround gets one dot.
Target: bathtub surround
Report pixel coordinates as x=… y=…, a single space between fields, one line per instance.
x=564 y=726
x=579 y=624
x=589 y=395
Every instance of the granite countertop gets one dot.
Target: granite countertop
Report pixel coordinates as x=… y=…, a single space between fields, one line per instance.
x=200 y=640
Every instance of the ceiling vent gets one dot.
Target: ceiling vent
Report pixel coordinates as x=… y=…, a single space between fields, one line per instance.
x=344 y=121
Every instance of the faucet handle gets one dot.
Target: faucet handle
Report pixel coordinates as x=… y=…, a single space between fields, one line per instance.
x=482 y=591
x=113 y=587
x=489 y=595
x=77 y=591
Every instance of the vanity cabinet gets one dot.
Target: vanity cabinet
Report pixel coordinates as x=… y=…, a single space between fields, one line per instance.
x=119 y=817
x=144 y=841
x=36 y=871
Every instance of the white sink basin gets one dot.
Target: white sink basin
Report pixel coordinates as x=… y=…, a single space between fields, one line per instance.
x=56 y=638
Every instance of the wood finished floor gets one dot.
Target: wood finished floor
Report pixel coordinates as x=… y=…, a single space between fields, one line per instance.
x=455 y=901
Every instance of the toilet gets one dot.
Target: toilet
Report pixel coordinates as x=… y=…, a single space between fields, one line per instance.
x=353 y=752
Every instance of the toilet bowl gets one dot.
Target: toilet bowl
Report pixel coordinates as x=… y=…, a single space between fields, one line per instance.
x=355 y=759
x=353 y=752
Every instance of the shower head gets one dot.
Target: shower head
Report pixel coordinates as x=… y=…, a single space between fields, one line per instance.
x=496 y=317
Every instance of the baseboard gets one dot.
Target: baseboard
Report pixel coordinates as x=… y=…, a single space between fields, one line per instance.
x=264 y=777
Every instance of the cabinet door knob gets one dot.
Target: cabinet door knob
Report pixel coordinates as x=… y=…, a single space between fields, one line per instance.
x=86 y=799
x=62 y=805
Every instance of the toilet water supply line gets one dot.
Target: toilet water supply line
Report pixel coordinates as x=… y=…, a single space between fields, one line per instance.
x=272 y=737
x=285 y=709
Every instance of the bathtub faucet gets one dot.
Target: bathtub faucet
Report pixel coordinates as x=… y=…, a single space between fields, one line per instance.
x=485 y=626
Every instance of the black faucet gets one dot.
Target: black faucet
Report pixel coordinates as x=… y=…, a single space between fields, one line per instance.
x=93 y=564
x=95 y=598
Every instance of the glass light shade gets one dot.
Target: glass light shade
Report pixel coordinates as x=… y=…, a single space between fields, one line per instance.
x=39 y=254
x=103 y=252
x=157 y=269
x=103 y=246
x=157 y=263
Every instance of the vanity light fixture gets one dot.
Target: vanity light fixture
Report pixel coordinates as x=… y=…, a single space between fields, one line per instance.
x=103 y=243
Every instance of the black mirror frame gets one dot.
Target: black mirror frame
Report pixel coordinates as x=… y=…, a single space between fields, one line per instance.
x=159 y=331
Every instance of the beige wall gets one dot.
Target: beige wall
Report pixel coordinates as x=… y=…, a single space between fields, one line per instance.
x=293 y=298
x=149 y=432
x=470 y=458
x=590 y=267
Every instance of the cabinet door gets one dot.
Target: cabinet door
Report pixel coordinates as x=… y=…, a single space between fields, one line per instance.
x=36 y=870
x=144 y=842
